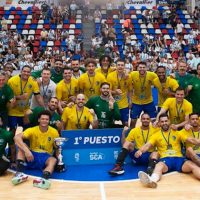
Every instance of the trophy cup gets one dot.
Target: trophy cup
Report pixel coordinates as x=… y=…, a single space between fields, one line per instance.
x=60 y=167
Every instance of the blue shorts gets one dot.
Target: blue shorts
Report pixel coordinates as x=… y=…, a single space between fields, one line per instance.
x=174 y=163
x=14 y=121
x=147 y=108
x=142 y=160
x=124 y=114
x=39 y=161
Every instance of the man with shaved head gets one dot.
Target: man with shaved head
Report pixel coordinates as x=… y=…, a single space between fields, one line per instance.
x=79 y=116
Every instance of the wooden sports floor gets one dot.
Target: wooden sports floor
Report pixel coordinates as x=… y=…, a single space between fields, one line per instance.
x=173 y=186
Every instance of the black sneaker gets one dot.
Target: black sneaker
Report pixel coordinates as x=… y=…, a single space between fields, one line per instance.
x=117 y=170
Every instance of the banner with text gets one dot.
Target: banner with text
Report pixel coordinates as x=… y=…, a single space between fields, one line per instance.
x=139 y=3
x=99 y=146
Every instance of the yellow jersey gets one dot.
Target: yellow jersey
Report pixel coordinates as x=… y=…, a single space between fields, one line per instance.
x=170 y=84
x=194 y=134
x=177 y=112
x=90 y=85
x=99 y=70
x=74 y=119
x=141 y=137
x=142 y=93
x=41 y=141
x=125 y=84
x=65 y=90
x=168 y=143
x=20 y=87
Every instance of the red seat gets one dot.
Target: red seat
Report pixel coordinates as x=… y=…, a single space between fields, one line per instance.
x=156 y=26
x=198 y=37
x=14 y=12
x=25 y=12
x=36 y=43
x=26 y=26
x=66 y=26
x=127 y=16
x=15 y=21
x=77 y=31
x=38 y=31
x=164 y=31
x=35 y=49
x=17 y=16
x=72 y=21
x=18 y=8
x=47 y=26
x=57 y=43
x=2 y=12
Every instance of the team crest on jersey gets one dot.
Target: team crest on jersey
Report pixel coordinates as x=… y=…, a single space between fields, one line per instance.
x=174 y=137
x=49 y=91
x=49 y=139
x=2 y=97
x=30 y=86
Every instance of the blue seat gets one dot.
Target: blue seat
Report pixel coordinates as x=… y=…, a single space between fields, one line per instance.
x=116 y=21
x=134 y=21
x=43 y=43
x=118 y=31
x=63 y=43
x=139 y=16
x=179 y=12
x=12 y=8
x=132 y=8
x=186 y=49
x=78 y=26
x=118 y=26
x=20 y=26
x=23 y=17
x=33 y=26
x=151 y=31
x=19 y=12
x=136 y=26
x=53 y=26
x=22 y=21
x=6 y=16
x=120 y=42
x=139 y=36
x=7 y=12
x=182 y=16
x=160 y=8
x=143 y=8
x=126 y=12
x=171 y=31
x=66 y=21
x=162 y=26
x=120 y=37
x=46 y=21
x=184 y=21
x=137 y=31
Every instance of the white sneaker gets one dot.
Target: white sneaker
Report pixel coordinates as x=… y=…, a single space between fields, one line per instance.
x=19 y=178
x=145 y=179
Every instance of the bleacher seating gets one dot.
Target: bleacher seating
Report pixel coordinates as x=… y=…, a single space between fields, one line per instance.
x=22 y=21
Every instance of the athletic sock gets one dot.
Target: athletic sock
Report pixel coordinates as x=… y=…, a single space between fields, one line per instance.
x=122 y=156
x=20 y=165
x=151 y=165
x=155 y=177
x=46 y=175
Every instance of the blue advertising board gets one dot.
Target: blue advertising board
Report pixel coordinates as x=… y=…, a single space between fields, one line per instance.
x=92 y=146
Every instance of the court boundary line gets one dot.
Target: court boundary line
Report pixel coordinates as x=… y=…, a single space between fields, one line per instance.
x=92 y=182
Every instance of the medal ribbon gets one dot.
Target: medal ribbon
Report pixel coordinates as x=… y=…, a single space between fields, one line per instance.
x=166 y=140
x=22 y=89
x=79 y=117
x=178 y=110
x=142 y=83
x=91 y=83
x=145 y=140
x=45 y=91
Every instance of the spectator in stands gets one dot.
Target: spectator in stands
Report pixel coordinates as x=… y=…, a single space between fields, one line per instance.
x=196 y=15
x=179 y=28
x=40 y=154
x=127 y=25
x=79 y=116
x=105 y=107
x=45 y=9
x=73 y=8
x=44 y=34
x=4 y=24
x=109 y=8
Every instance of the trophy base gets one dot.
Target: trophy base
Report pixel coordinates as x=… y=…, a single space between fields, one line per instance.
x=60 y=168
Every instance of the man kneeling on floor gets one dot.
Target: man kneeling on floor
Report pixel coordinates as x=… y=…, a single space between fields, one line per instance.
x=39 y=155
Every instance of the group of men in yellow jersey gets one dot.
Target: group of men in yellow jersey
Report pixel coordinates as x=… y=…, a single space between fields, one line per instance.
x=156 y=144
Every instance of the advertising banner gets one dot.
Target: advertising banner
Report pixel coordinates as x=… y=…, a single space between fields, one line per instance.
x=99 y=146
